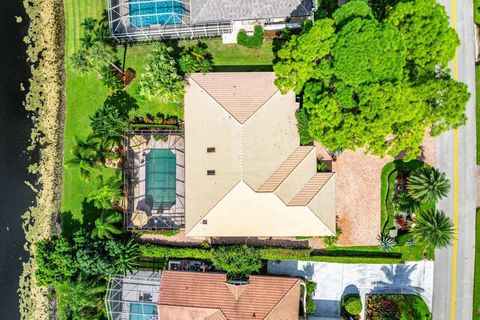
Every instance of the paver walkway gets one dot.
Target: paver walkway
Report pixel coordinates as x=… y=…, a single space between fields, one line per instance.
x=334 y=280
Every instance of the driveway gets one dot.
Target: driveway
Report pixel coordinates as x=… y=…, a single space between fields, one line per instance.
x=334 y=280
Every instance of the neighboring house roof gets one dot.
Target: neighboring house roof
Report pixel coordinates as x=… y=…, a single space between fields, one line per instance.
x=265 y=183
x=195 y=296
x=221 y=10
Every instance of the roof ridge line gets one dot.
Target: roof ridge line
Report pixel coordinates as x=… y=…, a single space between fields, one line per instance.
x=278 y=302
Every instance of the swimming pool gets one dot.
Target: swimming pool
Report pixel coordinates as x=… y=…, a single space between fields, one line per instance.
x=161 y=176
x=143 y=311
x=145 y=13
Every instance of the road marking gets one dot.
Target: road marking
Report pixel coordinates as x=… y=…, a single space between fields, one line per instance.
x=455 y=184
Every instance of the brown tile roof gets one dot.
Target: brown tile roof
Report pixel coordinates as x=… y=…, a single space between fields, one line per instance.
x=262 y=298
x=311 y=188
x=235 y=93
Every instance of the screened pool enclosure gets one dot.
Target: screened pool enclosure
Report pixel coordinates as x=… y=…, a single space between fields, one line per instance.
x=158 y=19
x=134 y=296
x=154 y=179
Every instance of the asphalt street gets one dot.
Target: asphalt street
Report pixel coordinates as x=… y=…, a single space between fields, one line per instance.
x=455 y=155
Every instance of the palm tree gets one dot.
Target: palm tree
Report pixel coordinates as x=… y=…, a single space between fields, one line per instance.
x=105 y=226
x=433 y=229
x=405 y=203
x=428 y=184
x=80 y=61
x=108 y=190
x=88 y=153
x=83 y=299
x=128 y=256
x=89 y=24
x=109 y=124
x=205 y=66
x=187 y=63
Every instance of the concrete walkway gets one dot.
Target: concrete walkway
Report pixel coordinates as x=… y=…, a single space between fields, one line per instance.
x=334 y=280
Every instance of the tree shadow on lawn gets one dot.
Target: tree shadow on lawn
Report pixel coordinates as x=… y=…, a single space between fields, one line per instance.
x=122 y=101
x=89 y=214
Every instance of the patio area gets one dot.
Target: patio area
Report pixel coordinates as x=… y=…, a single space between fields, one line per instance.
x=155 y=180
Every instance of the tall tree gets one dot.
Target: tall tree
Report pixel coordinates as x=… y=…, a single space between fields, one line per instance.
x=108 y=190
x=433 y=229
x=427 y=34
x=355 y=76
x=428 y=184
x=302 y=58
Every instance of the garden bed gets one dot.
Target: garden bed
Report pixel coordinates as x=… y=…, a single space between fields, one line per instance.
x=396 y=307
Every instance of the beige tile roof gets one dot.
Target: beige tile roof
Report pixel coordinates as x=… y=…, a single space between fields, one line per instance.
x=258 y=162
x=235 y=92
x=313 y=186
x=257 y=299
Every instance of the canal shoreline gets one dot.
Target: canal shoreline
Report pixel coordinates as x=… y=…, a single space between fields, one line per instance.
x=46 y=102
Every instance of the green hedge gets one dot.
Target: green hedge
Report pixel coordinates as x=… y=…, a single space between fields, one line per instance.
x=339 y=255
x=255 y=40
x=476 y=11
x=302 y=127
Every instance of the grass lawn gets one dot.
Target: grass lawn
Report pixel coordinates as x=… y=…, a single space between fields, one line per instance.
x=476 y=282
x=85 y=93
x=477 y=89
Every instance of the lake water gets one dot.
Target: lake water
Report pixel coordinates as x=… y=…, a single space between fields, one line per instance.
x=15 y=196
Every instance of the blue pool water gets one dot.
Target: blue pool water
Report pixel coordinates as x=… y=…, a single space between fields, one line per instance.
x=143 y=311
x=145 y=13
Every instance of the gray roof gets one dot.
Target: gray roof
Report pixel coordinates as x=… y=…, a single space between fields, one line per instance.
x=219 y=10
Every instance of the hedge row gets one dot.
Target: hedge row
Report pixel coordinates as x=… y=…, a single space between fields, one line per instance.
x=339 y=256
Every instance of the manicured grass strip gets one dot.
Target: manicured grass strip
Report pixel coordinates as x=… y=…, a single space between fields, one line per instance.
x=476 y=282
x=477 y=97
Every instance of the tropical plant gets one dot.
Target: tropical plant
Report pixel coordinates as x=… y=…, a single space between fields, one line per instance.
x=310 y=307
x=82 y=298
x=110 y=124
x=322 y=167
x=433 y=229
x=411 y=242
x=405 y=203
x=428 y=184
x=88 y=154
x=126 y=255
x=108 y=190
x=106 y=225
x=160 y=80
x=196 y=59
x=237 y=261
x=332 y=240
x=386 y=242
x=352 y=304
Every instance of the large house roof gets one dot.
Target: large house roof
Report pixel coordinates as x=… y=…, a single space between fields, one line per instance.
x=194 y=295
x=265 y=183
x=221 y=10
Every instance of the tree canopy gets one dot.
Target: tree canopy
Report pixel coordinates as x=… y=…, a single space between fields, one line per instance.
x=375 y=84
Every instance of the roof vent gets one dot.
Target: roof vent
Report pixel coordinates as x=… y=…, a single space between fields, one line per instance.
x=210 y=172
x=210 y=149
x=204 y=221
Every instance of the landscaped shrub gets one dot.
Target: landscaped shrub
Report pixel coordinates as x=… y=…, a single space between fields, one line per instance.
x=332 y=241
x=380 y=307
x=352 y=304
x=254 y=40
x=196 y=59
x=302 y=127
x=310 y=304
x=396 y=307
x=237 y=261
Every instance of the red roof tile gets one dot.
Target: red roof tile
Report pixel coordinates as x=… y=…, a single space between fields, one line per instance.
x=257 y=300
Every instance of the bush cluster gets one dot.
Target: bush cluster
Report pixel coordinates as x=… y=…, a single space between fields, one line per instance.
x=352 y=304
x=254 y=40
x=302 y=127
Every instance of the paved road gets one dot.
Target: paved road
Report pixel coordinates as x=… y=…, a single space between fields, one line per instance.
x=334 y=280
x=453 y=275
